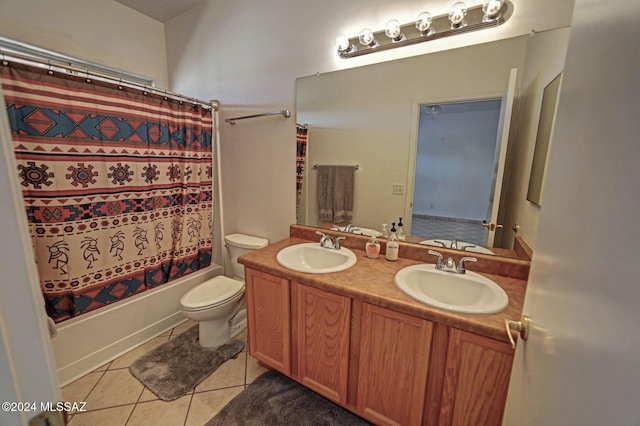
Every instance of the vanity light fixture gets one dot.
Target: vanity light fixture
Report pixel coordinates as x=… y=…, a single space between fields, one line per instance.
x=393 y=31
x=491 y=10
x=460 y=19
x=368 y=39
x=343 y=45
x=423 y=24
x=457 y=14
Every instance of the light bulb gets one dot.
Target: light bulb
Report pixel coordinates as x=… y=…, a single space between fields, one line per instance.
x=367 y=38
x=393 y=31
x=492 y=8
x=342 y=44
x=423 y=23
x=457 y=14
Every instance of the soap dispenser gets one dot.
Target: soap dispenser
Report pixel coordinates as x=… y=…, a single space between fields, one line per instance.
x=401 y=234
x=392 y=247
x=385 y=233
x=372 y=248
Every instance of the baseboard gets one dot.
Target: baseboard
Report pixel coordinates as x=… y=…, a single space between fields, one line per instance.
x=89 y=363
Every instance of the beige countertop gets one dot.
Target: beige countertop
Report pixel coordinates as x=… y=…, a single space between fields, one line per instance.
x=371 y=281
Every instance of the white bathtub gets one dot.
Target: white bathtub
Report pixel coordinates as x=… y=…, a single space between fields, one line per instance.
x=86 y=342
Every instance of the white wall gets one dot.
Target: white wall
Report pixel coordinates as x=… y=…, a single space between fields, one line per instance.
x=248 y=55
x=545 y=60
x=101 y=31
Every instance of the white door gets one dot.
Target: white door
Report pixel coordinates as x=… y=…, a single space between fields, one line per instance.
x=27 y=368
x=581 y=363
x=504 y=124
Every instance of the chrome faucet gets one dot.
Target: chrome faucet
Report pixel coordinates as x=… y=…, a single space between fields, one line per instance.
x=327 y=242
x=450 y=265
x=349 y=228
x=454 y=244
x=324 y=239
x=461 y=269
x=440 y=261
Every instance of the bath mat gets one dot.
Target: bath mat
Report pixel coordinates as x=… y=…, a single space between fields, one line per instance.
x=273 y=399
x=174 y=368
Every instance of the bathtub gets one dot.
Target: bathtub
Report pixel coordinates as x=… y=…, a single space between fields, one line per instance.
x=86 y=342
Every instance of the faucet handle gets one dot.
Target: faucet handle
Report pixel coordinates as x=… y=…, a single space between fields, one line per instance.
x=461 y=269
x=440 y=263
x=323 y=238
x=336 y=243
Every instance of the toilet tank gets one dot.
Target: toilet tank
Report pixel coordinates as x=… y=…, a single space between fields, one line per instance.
x=239 y=244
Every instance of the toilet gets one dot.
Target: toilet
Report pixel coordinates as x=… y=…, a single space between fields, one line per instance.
x=218 y=304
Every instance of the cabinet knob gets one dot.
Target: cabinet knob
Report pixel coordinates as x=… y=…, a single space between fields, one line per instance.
x=521 y=326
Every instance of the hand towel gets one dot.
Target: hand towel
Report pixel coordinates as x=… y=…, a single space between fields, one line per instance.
x=343 y=194
x=326 y=176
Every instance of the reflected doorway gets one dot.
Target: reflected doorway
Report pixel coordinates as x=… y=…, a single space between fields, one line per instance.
x=456 y=163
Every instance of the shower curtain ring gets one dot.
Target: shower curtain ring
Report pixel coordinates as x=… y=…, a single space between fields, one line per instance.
x=49 y=71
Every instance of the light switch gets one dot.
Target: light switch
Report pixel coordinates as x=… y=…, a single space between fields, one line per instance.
x=398 y=189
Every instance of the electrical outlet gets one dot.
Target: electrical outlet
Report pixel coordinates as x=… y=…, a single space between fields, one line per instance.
x=398 y=189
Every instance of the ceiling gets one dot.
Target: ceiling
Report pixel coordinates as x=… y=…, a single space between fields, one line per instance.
x=160 y=10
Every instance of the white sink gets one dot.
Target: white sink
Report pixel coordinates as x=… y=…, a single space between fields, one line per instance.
x=461 y=245
x=468 y=293
x=314 y=259
x=359 y=231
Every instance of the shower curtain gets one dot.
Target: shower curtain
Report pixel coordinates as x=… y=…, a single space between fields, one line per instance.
x=301 y=158
x=117 y=185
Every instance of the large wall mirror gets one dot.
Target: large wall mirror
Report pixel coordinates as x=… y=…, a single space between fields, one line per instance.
x=424 y=133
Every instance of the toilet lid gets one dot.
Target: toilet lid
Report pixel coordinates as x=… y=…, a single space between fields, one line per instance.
x=211 y=293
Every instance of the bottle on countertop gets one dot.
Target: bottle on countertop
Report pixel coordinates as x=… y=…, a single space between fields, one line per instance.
x=384 y=233
x=401 y=234
x=392 y=247
x=372 y=248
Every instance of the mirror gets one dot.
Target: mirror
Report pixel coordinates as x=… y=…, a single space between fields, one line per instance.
x=543 y=139
x=369 y=117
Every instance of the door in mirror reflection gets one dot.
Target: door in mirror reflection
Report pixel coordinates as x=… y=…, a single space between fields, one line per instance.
x=460 y=155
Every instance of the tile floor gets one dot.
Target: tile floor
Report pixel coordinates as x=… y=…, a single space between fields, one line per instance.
x=115 y=398
x=430 y=227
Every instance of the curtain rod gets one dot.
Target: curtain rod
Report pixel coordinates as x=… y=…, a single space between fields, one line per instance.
x=28 y=59
x=285 y=112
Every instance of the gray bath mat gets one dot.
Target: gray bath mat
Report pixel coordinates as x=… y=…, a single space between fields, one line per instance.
x=174 y=368
x=273 y=399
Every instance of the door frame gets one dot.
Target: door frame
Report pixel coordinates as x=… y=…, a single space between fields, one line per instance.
x=413 y=147
x=27 y=365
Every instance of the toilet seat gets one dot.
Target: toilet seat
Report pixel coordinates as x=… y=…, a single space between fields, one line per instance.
x=214 y=292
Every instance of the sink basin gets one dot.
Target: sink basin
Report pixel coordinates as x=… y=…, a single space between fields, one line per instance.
x=461 y=245
x=468 y=293
x=314 y=259
x=359 y=231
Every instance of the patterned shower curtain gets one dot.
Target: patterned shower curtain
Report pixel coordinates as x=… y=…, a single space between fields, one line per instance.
x=117 y=186
x=301 y=158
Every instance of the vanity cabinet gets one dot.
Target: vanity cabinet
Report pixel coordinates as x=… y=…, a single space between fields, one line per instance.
x=388 y=367
x=323 y=331
x=268 y=316
x=394 y=359
x=476 y=380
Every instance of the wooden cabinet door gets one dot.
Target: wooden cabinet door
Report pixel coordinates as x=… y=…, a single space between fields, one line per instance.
x=394 y=359
x=476 y=380
x=323 y=341
x=268 y=319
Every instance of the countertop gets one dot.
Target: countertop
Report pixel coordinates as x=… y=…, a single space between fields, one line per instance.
x=371 y=281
